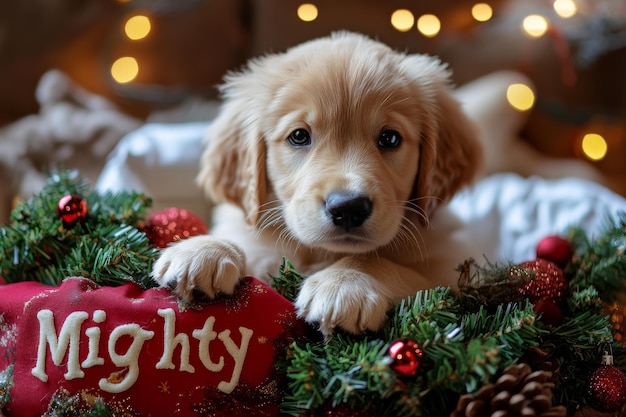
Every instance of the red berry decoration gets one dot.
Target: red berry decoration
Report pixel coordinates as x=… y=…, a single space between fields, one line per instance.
x=72 y=209
x=173 y=224
x=606 y=390
x=555 y=249
x=406 y=355
x=548 y=281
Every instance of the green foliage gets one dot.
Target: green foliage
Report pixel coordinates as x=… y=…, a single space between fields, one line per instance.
x=6 y=383
x=287 y=282
x=63 y=404
x=600 y=262
x=107 y=247
x=462 y=351
x=468 y=339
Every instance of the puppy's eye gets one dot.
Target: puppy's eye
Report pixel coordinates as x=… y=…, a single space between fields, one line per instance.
x=299 y=137
x=389 y=139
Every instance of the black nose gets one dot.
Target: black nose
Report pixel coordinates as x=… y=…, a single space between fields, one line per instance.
x=348 y=209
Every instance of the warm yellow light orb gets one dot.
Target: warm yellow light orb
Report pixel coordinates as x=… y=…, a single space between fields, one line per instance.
x=535 y=25
x=402 y=20
x=482 y=12
x=137 y=27
x=428 y=25
x=124 y=69
x=520 y=96
x=565 y=8
x=594 y=146
x=307 y=12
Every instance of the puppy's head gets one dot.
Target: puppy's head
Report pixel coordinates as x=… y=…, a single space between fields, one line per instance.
x=340 y=140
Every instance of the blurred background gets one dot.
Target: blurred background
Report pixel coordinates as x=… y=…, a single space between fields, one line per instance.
x=141 y=58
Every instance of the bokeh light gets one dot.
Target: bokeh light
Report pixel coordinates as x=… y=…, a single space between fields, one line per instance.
x=594 y=146
x=565 y=8
x=520 y=96
x=535 y=25
x=402 y=20
x=428 y=25
x=124 y=69
x=482 y=12
x=307 y=12
x=137 y=27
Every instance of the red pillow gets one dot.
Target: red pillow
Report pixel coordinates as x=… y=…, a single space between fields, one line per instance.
x=141 y=352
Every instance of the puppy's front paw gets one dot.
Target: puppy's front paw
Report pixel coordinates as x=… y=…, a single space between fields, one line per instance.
x=346 y=298
x=200 y=263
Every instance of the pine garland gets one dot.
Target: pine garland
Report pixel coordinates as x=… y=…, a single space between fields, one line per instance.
x=468 y=339
x=108 y=246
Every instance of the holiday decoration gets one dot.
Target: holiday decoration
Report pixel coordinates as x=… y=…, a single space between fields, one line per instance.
x=549 y=312
x=106 y=246
x=406 y=355
x=172 y=224
x=142 y=351
x=98 y=344
x=547 y=280
x=517 y=392
x=555 y=249
x=72 y=209
x=607 y=387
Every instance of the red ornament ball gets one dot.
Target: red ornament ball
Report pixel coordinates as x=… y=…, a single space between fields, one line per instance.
x=72 y=209
x=547 y=282
x=606 y=390
x=173 y=224
x=406 y=355
x=551 y=313
x=555 y=249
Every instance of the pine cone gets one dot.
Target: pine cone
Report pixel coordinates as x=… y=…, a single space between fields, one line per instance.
x=519 y=392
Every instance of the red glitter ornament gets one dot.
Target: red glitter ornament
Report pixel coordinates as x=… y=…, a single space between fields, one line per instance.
x=72 y=209
x=555 y=249
x=406 y=355
x=606 y=390
x=548 y=281
x=173 y=224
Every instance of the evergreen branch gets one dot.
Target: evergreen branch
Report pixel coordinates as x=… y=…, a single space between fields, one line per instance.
x=586 y=299
x=288 y=281
x=600 y=262
x=107 y=246
x=513 y=324
x=6 y=383
x=120 y=253
x=586 y=330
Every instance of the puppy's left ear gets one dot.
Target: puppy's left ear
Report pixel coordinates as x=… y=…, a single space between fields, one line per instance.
x=233 y=163
x=450 y=153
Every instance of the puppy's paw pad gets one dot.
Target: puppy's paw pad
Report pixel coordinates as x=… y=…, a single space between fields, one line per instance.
x=200 y=263
x=348 y=300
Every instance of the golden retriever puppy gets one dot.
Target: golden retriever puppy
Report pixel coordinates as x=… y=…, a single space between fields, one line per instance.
x=335 y=155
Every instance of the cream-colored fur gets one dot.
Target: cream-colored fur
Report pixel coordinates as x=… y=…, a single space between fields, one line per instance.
x=347 y=98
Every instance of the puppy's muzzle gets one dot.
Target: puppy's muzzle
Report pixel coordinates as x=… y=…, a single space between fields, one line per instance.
x=348 y=209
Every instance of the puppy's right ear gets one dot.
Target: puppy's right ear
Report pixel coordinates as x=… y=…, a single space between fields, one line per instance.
x=232 y=168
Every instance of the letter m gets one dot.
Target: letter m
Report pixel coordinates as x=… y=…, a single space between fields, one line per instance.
x=67 y=339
